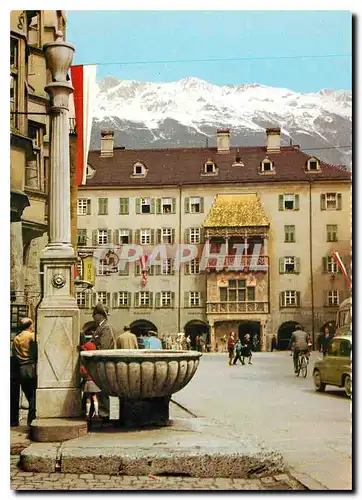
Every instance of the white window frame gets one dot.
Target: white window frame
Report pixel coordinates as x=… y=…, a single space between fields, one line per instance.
x=290 y=298
x=209 y=164
x=145 y=202
x=81 y=298
x=166 y=235
x=102 y=297
x=145 y=236
x=332 y=266
x=166 y=299
x=82 y=206
x=331 y=232
x=122 y=233
x=144 y=299
x=139 y=165
x=166 y=266
x=333 y=297
x=313 y=160
x=289 y=197
x=122 y=299
x=267 y=162
x=166 y=202
x=194 y=299
x=194 y=235
x=102 y=239
x=194 y=266
x=287 y=261
x=331 y=198
x=194 y=202
x=102 y=268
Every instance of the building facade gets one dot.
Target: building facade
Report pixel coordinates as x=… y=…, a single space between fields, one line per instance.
x=29 y=150
x=277 y=203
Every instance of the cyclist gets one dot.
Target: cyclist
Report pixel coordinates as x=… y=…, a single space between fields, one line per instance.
x=299 y=343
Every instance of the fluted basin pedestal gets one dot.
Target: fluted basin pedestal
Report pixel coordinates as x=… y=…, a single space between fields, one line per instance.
x=143 y=380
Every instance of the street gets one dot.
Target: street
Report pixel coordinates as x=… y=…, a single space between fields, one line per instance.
x=312 y=430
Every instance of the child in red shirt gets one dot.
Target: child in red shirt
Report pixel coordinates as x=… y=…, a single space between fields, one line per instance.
x=90 y=388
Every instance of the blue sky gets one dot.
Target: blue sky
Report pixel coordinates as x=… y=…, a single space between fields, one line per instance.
x=145 y=36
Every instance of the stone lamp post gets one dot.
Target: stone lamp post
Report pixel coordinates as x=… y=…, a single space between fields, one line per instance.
x=58 y=394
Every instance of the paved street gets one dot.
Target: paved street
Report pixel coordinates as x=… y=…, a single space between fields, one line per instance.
x=312 y=431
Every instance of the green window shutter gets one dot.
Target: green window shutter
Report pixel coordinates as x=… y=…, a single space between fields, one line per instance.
x=99 y=206
x=158 y=206
x=105 y=206
x=137 y=236
x=152 y=207
x=202 y=235
x=137 y=299
x=187 y=268
x=298 y=299
x=151 y=270
x=286 y=234
x=157 y=269
x=158 y=235
x=187 y=205
x=124 y=206
x=152 y=236
x=324 y=264
x=297 y=265
x=151 y=299
x=281 y=265
x=130 y=235
x=116 y=236
x=172 y=268
x=94 y=237
x=292 y=235
x=187 y=235
x=129 y=299
x=94 y=299
x=323 y=201
x=88 y=207
x=186 y=299
x=138 y=205
x=201 y=205
x=173 y=236
x=137 y=269
x=172 y=299
x=173 y=205
x=109 y=235
x=281 y=299
x=339 y=201
x=281 y=202
x=108 y=299
x=121 y=206
x=296 y=202
x=158 y=299
x=201 y=303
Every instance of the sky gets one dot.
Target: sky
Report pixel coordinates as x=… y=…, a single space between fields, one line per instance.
x=267 y=47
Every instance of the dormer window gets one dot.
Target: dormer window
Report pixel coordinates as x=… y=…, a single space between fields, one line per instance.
x=209 y=167
x=139 y=170
x=313 y=165
x=90 y=172
x=267 y=165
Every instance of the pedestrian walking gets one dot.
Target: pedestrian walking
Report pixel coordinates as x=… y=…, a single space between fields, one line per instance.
x=24 y=351
x=238 y=351
x=231 y=347
x=128 y=340
x=325 y=340
x=103 y=338
x=246 y=348
x=154 y=341
x=273 y=343
x=90 y=388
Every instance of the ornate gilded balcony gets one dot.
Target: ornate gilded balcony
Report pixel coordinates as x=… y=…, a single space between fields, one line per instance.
x=243 y=264
x=237 y=307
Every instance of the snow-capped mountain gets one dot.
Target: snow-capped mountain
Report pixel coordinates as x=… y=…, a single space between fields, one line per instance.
x=187 y=113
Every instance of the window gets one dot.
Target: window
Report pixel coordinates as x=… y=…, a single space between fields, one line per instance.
x=14 y=90
x=330 y=265
x=164 y=299
x=103 y=268
x=34 y=30
x=166 y=266
x=82 y=299
x=266 y=166
x=331 y=201
x=313 y=164
x=290 y=298
x=145 y=206
x=102 y=206
x=333 y=298
x=143 y=299
x=194 y=266
x=102 y=297
x=237 y=291
x=84 y=206
x=194 y=205
x=80 y=268
x=123 y=236
x=194 y=299
x=102 y=237
x=123 y=299
x=210 y=167
x=289 y=265
x=82 y=237
x=145 y=238
x=333 y=348
x=34 y=171
x=166 y=205
x=123 y=206
x=166 y=235
x=332 y=231
x=289 y=202
x=345 y=348
x=289 y=234
x=139 y=170
x=194 y=235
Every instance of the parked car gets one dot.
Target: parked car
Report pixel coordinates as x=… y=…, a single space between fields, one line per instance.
x=336 y=366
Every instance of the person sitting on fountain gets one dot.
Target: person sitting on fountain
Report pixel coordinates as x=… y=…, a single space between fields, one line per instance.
x=127 y=340
x=153 y=341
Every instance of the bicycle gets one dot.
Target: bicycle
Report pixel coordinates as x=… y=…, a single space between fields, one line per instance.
x=302 y=367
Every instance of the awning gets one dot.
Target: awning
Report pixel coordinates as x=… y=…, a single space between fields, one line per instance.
x=236 y=210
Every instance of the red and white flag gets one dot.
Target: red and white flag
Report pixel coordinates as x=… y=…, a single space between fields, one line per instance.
x=84 y=83
x=144 y=268
x=341 y=267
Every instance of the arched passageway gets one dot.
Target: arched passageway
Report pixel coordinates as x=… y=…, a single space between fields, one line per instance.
x=142 y=326
x=196 y=328
x=285 y=332
x=253 y=329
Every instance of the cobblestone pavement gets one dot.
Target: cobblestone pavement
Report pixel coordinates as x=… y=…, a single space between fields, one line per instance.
x=31 y=481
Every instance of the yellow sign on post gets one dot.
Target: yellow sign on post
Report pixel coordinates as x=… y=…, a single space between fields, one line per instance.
x=89 y=269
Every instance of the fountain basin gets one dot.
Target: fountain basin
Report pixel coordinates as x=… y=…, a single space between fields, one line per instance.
x=140 y=374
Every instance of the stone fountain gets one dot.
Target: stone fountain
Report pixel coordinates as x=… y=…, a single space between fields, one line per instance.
x=144 y=380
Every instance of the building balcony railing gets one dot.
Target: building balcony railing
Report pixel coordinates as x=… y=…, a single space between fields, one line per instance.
x=237 y=307
x=243 y=263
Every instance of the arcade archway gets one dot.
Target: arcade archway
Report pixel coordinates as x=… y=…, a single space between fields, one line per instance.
x=253 y=329
x=198 y=328
x=285 y=332
x=142 y=326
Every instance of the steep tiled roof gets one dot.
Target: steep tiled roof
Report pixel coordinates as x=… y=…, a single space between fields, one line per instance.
x=185 y=166
x=236 y=210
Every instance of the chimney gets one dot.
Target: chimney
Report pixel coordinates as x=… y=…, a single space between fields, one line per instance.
x=107 y=143
x=223 y=140
x=273 y=140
